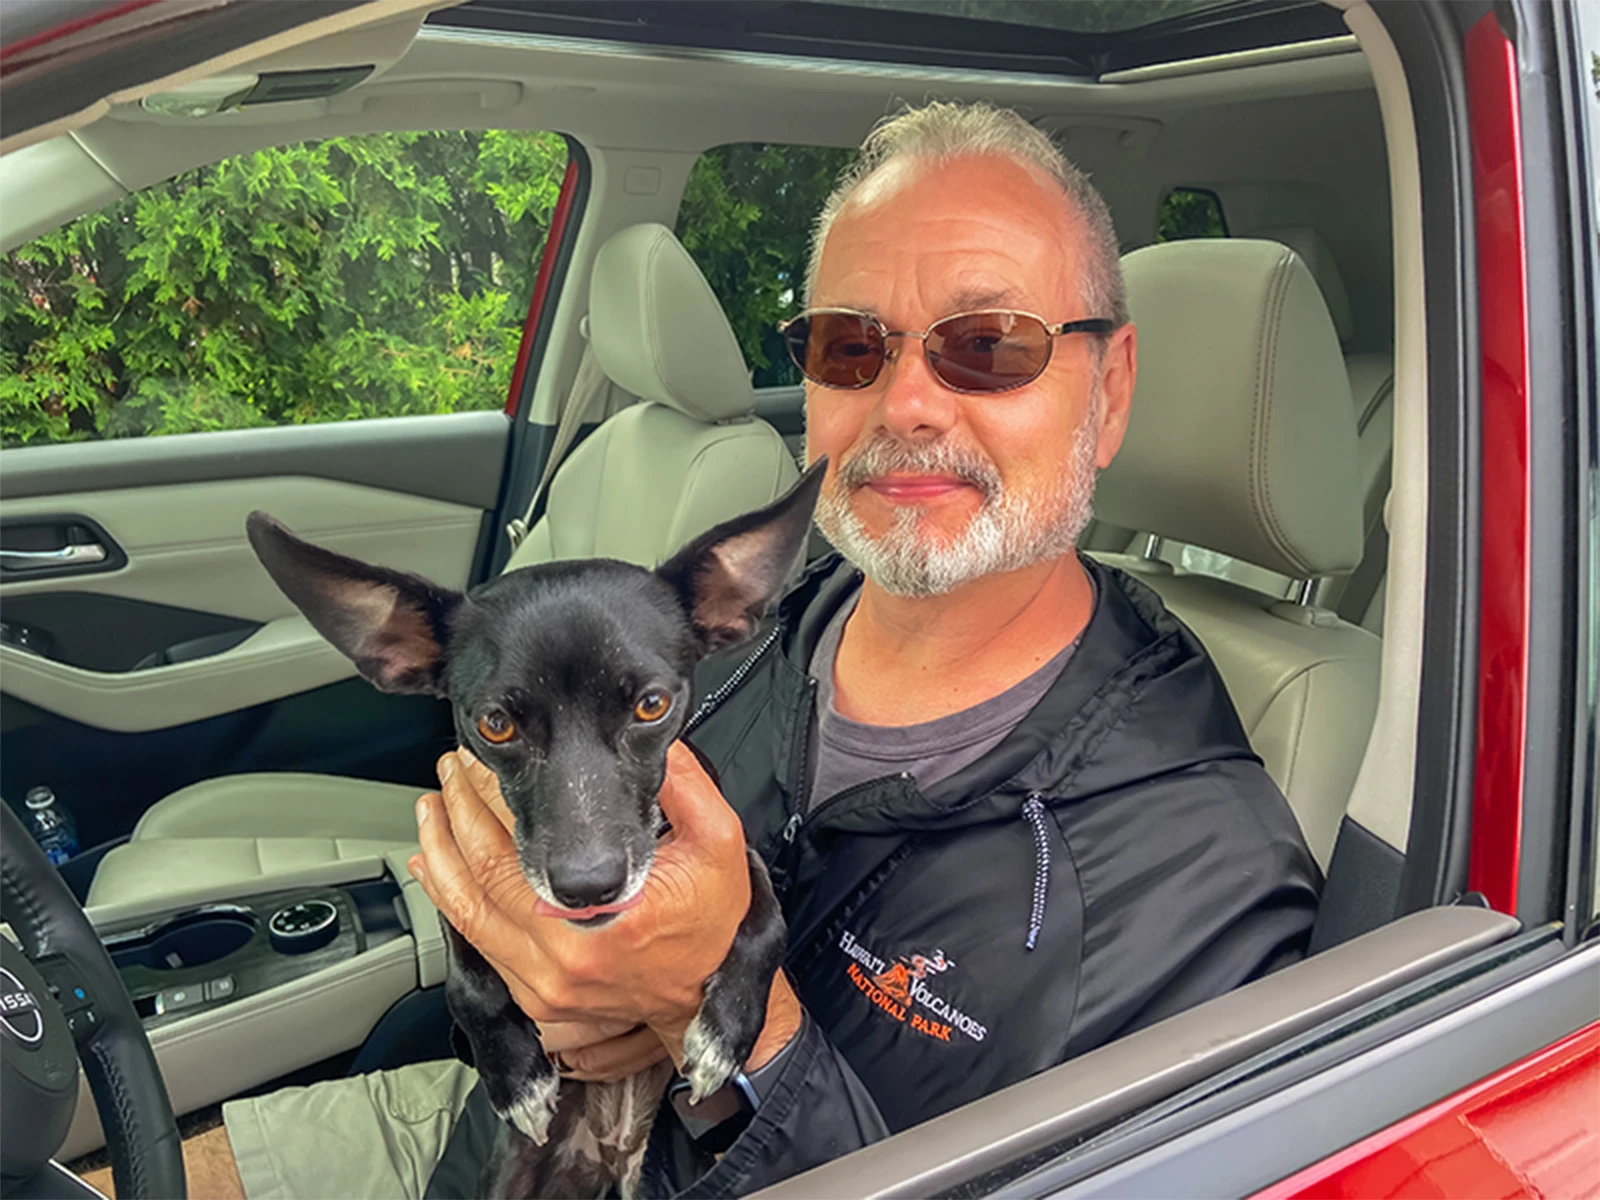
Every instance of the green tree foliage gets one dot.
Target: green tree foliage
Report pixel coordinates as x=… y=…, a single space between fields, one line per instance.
x=746 y=218
x=381 y=275
x=1190 y=213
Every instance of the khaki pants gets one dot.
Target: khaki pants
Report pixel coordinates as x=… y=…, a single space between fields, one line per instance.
x=373 y=1137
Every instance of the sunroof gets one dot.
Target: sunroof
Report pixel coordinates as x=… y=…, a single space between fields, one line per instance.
x=1076 y=38
x=1074 y=16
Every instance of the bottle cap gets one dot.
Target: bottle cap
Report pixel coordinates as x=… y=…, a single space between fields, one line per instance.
x=40 y=797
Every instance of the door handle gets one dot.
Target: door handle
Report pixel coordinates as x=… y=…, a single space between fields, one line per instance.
x=66 y=556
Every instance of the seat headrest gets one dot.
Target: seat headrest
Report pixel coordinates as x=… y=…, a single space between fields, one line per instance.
x=658 y=331
x=1242 y=436
x=1313 y=251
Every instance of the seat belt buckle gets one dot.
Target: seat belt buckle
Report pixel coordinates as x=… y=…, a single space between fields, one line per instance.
x=516 y=531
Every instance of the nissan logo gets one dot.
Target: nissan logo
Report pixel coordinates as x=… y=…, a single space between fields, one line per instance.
x=19 y=1011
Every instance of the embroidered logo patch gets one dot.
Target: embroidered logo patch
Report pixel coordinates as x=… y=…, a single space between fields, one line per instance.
x=899 y=988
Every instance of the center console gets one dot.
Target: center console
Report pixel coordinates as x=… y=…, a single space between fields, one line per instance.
x=209 y=956
x=241 y=987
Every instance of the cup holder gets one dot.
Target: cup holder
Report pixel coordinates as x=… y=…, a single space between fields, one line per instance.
x=190 y=940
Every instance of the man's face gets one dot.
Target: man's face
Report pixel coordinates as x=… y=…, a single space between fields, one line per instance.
x=928 y=488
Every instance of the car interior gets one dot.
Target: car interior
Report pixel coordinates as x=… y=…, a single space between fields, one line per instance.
x=227 y=766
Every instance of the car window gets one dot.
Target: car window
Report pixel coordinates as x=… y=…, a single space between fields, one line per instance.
x=1188 y=212
x=380 y=275
x=746 y=219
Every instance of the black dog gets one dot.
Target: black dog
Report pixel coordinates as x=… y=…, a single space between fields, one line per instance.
x=570 y=680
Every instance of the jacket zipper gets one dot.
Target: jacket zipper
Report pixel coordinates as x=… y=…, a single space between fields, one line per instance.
x=791 y=831
x=800 y=781
x=798 y=823
x=799 y=793
x=731 y=684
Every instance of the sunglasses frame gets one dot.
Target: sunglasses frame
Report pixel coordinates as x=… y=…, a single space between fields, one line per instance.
x=1100 y=326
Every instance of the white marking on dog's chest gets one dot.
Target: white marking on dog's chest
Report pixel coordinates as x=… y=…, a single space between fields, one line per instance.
x=616 y=1123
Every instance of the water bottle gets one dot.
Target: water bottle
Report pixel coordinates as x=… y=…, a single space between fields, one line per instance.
x=52 y=826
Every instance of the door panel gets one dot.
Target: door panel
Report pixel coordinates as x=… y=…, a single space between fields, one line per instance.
x=185 y=661
x=185 y=546
x=281 y=658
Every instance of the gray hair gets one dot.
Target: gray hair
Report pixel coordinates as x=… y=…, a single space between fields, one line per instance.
x=942 y=130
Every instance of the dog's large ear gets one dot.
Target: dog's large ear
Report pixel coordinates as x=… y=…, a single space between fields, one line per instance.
x=390 y=624
x=728 y=576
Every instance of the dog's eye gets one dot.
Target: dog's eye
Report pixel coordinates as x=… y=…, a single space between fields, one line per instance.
x=496 y=727
x=652 y=706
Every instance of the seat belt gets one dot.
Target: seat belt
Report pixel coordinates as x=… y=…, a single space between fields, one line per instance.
x=588 y=387
x=1369 y=574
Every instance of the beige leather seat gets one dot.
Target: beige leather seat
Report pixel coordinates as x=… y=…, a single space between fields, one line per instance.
x=1242 y=441
x=1357 y=595
x=689 y=455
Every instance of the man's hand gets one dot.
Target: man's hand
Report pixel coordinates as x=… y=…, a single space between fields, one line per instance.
x=600 y=1051
x=647 y=967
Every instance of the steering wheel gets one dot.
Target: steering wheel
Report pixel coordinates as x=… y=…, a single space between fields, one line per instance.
x=61 y=989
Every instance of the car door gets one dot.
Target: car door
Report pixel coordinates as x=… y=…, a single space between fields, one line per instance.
x=1464 y=1073
x=331 y=331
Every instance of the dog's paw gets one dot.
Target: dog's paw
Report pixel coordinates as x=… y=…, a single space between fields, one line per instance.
x=708 y=1062
x=533 y=1107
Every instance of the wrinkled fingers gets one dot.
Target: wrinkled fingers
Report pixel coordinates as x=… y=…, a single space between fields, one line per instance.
x=611 y=1059
x=575 y=1035
x=484 y=841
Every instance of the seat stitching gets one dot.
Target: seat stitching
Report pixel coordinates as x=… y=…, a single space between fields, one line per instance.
x=651 y=339
x=1261 y=494
x=1257 y=415
x=1299 y=731
x=689 y=474
x=1385 y=390
x=600 y=490
x=723 y=435
x=1277 y=302
x=1295 y=676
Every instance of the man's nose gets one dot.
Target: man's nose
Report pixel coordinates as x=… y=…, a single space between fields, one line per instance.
x=596 y=876
x=913 y=404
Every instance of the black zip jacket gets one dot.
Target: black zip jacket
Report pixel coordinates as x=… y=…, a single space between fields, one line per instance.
x=1120 y=856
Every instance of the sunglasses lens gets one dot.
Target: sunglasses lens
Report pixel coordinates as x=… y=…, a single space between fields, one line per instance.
x=839 y=350
x=988 y=351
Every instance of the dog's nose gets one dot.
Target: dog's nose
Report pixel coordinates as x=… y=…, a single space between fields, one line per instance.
x=593 y=879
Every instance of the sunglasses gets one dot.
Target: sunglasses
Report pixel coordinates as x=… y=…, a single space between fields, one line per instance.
x=995 y=350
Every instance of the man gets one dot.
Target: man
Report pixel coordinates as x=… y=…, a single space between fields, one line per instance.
x=1008 y=806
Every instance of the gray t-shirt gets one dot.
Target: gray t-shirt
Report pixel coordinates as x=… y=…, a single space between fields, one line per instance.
x=846 y=753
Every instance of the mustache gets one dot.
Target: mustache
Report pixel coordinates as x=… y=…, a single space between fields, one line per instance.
x=885 y=455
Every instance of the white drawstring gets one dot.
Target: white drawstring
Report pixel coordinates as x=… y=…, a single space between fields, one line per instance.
x=1033 y=812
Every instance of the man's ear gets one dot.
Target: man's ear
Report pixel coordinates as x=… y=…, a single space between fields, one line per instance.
x=728 y=576
x=1119 y=366
x=392 y=625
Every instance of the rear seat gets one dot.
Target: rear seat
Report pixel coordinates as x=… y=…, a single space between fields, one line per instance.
x=1243 y=442
x=649 y=479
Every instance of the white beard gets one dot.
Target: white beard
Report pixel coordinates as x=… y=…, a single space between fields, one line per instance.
x=1009 y=531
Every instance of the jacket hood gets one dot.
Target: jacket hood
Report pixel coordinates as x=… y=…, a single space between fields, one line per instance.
x=1139 y=698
